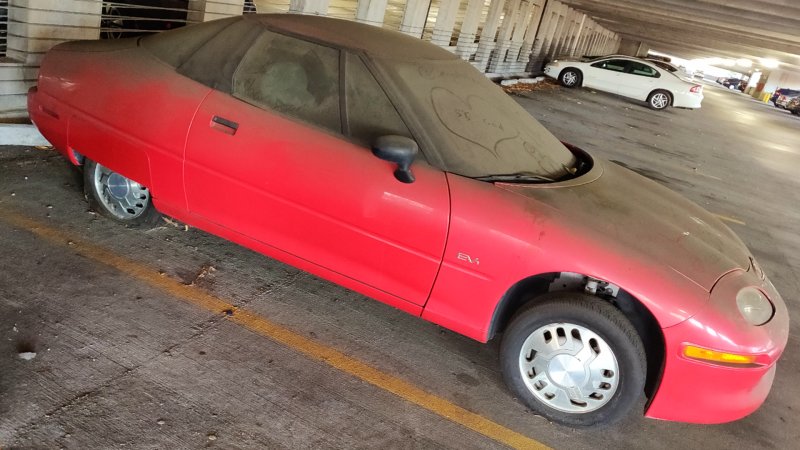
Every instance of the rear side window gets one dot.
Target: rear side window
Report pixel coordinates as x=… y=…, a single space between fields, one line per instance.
x=643 y=70
x=291 y=76
x=616 y=65
x=176 y=46
x=370 y=113
x=214 y=63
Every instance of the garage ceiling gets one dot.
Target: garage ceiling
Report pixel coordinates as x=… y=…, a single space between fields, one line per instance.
x=690 y=29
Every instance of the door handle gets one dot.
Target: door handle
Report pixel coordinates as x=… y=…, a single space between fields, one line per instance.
x=224 y=125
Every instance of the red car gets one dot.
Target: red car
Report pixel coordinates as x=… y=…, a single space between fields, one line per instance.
x=390 y=166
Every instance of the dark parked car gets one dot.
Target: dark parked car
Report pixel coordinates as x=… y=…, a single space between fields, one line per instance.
x=732 y=83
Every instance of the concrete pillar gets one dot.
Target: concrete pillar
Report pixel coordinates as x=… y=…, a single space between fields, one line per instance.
x=203 y=11
x=318 y=7
x=414 y=17
x=504 y=35
x=466 y=45
x=561 y=35
x=593 y=43
x=562 y=13
x=528 y=40
x=569 y=33
x=445 y=20
x=486 y=43
x=33 y=30
x=371 y=12
x=573 y=46
x=518 y=36
x=544 y=36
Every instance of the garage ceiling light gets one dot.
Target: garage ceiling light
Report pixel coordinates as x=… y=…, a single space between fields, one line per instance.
x=769 y=63
x=744 y=62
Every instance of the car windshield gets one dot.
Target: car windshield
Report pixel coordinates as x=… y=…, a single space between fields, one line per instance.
x=477 y=129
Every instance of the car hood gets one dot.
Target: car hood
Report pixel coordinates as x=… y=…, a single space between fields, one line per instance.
x=636 y=216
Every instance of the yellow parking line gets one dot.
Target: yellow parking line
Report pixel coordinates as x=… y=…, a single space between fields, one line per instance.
x=278 y=333
x=728 y=219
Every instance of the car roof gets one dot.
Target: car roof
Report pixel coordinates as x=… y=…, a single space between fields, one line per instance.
x=370 y=39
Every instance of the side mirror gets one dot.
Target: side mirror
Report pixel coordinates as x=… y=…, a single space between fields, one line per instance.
x=399 y=150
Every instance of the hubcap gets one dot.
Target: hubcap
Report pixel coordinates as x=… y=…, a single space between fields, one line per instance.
x=569 y=368
x=123 y=198
x=660 y=101
x=570 y=78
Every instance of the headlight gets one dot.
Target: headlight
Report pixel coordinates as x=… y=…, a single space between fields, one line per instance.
x=754 y=306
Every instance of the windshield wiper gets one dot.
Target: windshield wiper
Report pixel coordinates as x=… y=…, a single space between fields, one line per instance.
x=519 y=177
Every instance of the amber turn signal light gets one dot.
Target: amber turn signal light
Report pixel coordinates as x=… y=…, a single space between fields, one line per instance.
x=713 y=356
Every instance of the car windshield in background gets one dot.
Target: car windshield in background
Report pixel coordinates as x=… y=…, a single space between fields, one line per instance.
x=478 y=130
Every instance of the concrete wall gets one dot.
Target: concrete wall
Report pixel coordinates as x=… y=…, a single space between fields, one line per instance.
x=502 y=37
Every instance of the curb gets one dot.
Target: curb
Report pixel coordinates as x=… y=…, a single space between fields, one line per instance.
x=21 y=134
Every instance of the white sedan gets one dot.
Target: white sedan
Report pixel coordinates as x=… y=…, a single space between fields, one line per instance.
x=630 y=77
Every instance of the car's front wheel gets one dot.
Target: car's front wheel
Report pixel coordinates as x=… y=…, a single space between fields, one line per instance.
x=575 y=359
x=570 y=78
x=118 y=197
x=659 y=100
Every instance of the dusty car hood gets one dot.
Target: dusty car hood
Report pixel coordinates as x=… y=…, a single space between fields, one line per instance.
x=644 y=219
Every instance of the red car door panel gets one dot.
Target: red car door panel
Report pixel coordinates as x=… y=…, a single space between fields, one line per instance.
x=316 y=196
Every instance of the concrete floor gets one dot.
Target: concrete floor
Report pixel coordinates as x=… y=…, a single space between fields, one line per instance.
x=123 y=361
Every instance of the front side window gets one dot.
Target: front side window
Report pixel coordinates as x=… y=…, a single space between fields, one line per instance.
x=370 y=113
x=615 y=65
x=291 y=76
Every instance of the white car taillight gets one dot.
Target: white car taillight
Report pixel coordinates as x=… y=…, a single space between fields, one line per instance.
x=696 y=89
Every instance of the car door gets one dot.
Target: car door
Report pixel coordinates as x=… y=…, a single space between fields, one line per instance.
x=604 y=75
x=283 y=160
x=638 y=81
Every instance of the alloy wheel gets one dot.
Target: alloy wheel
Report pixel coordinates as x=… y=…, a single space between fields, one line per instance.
x=123 y=198
x=569 y=368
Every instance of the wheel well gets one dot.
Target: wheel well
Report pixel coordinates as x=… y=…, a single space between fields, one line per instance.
x=669 y=94
x=529 y=289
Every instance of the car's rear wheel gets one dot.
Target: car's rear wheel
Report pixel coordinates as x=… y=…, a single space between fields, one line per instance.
x=659 y=100
x=576 y=360
x=570 y=78
x=118 y=197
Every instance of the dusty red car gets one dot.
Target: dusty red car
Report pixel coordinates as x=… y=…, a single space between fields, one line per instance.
x=391 y=167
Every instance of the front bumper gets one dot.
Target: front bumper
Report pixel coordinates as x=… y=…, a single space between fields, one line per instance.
x=704 y=392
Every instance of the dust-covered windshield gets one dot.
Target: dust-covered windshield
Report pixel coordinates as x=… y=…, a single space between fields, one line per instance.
x=478 y=130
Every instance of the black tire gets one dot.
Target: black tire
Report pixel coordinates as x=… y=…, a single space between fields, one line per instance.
x=141 y=212
x=659 y=100
x=570 y=78
x=597 y=318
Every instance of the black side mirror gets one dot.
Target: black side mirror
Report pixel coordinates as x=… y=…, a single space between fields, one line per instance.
x=400 y=150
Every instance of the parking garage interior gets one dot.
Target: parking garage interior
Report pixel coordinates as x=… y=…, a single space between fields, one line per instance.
x=118 y=337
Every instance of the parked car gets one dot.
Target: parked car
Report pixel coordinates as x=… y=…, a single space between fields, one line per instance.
x=390 y=166
x=783 y=99
x=782 y=91
x=794 y=106
x=732 y=83
x=630 y=77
